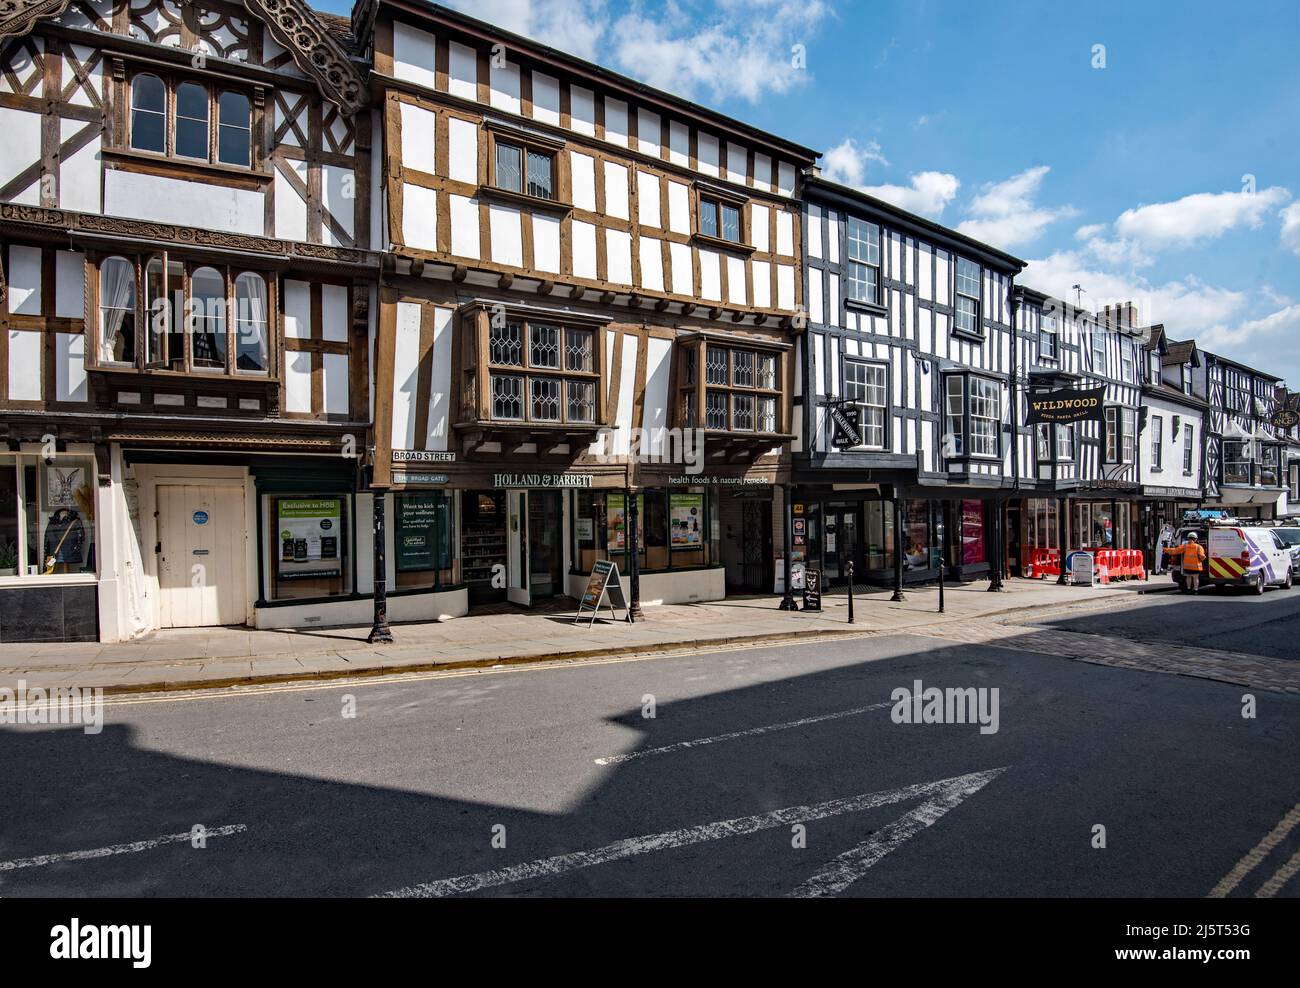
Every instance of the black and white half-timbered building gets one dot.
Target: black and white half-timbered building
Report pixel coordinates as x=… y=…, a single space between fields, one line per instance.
x=188 y=295
x=903 y=394
x=1171 y=436
x=1246 y=453
x=1081 y=483
x=584 y=349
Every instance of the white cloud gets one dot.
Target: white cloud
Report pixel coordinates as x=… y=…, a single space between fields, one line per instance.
x=847 y=163
x=1284 y=323
x=575 y=26
x=926 y=194
x=1090 y=231
x=1198 y=217
x=1006 y=214
x=1186 y=306
x=734 y=48
x=1291 y=227
x=726 y=49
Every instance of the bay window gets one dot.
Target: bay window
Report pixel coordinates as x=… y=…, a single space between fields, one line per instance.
x=1238 y=461
x=549 y=378
x=741 y=389
x=1268 y=466
x=181 y=319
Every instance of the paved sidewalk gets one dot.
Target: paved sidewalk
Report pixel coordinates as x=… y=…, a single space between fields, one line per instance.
x=187 y=659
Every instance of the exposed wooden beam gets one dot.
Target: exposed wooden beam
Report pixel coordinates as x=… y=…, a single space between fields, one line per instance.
x=607 y=298
x=577 y=292
x=662 y=305
x=716 y=312
x=459 y=273
x=505 y=281
x=545 y=287
x=417 y=267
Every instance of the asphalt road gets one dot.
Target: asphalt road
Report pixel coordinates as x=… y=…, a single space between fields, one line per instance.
x=412 y=790
x=1224 y=618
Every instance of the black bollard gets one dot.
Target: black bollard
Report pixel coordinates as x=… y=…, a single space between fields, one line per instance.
x=940 y=586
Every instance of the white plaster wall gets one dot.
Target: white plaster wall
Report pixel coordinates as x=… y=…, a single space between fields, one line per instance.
x=186 y=204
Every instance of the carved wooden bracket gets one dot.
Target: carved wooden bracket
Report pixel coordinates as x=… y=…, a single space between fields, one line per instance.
x=292 y=23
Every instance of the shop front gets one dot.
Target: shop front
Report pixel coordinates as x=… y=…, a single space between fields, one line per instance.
x=49 y=541
x=504 y=536
x=838 y=528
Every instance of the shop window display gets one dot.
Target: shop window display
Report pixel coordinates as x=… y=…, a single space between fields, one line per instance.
x=48 y=529
x=677 y=529
x=423 y=540
x=310 y=547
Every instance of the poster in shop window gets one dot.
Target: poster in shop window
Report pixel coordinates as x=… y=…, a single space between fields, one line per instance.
x=972 y=532
x=616 y=520
x=687 y=520
x=420 y=532
x=311 y=532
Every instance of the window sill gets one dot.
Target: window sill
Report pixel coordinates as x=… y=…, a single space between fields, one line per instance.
x=973 y=337
x=861 y=305
x=53 y=580
x=718 y=243
x=199 y=169
x=491 y=192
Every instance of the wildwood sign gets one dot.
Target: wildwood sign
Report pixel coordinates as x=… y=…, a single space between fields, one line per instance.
x=1067 y=405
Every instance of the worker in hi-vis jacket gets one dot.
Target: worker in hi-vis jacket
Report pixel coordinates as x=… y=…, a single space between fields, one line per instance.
x=1192 y=555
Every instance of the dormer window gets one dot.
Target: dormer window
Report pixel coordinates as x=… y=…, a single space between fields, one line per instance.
x=1186 y=370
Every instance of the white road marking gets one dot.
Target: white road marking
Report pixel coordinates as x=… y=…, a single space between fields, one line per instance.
x=1257 y=854
x=747 y=733
x=636 y=846
x=1280 y=877
x=848 y=867
x=105 y=852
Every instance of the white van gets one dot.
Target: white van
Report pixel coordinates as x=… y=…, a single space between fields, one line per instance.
x=1238 y=556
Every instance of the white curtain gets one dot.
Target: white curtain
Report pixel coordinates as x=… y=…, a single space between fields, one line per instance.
x=116 y=300
x=251 y=301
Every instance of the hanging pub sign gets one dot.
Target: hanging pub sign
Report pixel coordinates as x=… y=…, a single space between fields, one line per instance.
x=846 y=426
x=1067 y=405
x=1285 y=418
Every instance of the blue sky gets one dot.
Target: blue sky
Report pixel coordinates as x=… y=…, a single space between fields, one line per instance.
x=1169 y=175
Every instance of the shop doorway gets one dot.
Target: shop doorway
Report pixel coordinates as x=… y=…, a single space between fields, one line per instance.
x=200 y=553
x=747 y=553
x=841 y=544
x=545 y=545
x=483 y=545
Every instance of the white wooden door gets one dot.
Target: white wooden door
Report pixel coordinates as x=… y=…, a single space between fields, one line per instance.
x=516 y=547
x=201 y=538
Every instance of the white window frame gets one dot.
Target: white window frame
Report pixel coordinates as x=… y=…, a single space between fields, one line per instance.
x=869 y=408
